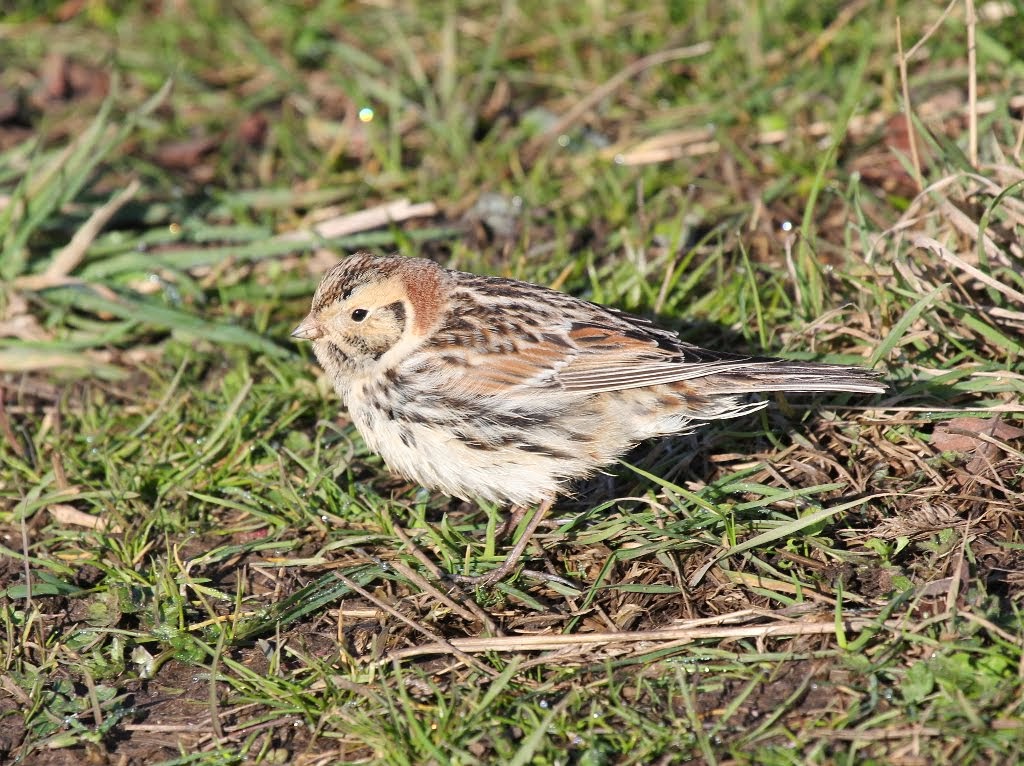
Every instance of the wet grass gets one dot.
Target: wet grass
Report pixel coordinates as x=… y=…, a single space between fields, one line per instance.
x=202 y=563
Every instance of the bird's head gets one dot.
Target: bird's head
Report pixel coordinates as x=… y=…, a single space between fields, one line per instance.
x=369 y=311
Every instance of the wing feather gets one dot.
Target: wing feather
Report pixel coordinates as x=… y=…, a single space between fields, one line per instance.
x=590 y=349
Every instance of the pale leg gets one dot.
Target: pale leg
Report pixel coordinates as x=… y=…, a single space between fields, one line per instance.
x=514 y=555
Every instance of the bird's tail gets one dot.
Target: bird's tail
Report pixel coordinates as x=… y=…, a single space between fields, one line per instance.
x=780 y=375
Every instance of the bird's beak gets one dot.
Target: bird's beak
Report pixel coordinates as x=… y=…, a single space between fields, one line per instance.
x=308 y=329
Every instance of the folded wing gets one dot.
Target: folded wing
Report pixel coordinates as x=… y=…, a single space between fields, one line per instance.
x=597 y=349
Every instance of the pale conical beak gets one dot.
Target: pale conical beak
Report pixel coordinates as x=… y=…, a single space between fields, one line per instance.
x=308 y=329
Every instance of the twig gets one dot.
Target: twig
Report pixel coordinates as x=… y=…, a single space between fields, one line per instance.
x=471 y=611
x=475 y=612
x=447 y=647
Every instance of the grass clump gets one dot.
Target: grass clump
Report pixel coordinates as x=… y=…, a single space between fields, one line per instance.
x=201 y=562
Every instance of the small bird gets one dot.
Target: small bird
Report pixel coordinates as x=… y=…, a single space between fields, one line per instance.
x=505 y=391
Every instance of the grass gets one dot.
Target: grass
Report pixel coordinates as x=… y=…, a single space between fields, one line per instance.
x=201 y=562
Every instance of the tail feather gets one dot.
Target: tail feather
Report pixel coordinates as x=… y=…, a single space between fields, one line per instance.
x=808 y=377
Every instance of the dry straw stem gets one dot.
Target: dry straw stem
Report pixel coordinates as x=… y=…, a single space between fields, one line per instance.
x=972 y=84
x=896 y=732
x=68 y=258
x=938 y=193
x=870 y=735
x=205 y=728
x=395 y=211
x=908 y=109
x=665 y=637
x=700 y=142
x=594 y=97
x=927 y=243
x=420 y=581
x=915 y=157
x=449 y=646
x=470 y=612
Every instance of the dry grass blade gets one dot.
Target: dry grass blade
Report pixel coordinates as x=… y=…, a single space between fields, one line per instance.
x=667 y=636
x=68 y=258
x=417 y=626
x=595 y=96
x=780 y=532
x=385 y=214
x=927 y=243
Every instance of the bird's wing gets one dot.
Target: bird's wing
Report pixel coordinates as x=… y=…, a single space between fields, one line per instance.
x=524 y=338
x=612 y=358
x=603 y=350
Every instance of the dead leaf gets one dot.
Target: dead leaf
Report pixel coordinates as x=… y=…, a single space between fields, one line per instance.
x=253 y=129
x=957 y=434
x=185 y=155
x=87 y=81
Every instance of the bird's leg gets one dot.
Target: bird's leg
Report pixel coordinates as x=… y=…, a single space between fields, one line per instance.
x=514 y=555
x=516 y=513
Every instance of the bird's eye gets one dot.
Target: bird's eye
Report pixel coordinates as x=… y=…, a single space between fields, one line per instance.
x=359 y=315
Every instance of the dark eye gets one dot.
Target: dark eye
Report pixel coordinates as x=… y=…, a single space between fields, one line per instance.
x=359 y=315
